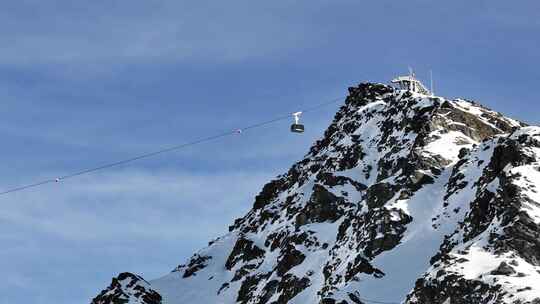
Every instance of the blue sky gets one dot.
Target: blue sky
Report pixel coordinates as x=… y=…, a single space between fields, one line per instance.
x=85 y=83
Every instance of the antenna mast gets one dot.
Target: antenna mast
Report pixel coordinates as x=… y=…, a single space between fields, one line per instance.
x=431 y=82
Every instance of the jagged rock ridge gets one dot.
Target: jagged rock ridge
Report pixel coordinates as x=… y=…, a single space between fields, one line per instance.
x=406 y=197
x=128 y=288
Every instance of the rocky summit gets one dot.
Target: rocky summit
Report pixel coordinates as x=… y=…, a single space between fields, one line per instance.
x=407 y=198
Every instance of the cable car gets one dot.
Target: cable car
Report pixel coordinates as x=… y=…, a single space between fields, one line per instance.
x=296 y=127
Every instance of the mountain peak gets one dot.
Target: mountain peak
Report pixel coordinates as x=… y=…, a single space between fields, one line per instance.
x=128 y=288
x=431 y=198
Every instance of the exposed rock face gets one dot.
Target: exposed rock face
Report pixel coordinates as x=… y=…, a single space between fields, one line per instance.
x=128 y=288
x=196 y=263
x=500 y=229
x=503 y=269
x=405 y=198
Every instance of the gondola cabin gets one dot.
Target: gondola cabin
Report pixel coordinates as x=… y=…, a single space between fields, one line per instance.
x=297 y=127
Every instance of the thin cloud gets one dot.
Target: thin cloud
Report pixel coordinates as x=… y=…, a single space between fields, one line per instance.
x=133 y=204
x=91 y=228
x=139 y=33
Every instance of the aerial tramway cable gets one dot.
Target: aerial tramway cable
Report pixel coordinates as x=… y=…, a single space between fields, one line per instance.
x=169 y=149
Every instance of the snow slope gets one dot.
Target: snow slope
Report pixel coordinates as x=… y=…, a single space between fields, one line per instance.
x=406 y=198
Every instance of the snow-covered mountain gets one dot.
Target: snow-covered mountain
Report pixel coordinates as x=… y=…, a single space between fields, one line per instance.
x=406 y=198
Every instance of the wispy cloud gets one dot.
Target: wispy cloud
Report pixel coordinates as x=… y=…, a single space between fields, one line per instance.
x=133 y=204
x=145 y=32
x=89 y=229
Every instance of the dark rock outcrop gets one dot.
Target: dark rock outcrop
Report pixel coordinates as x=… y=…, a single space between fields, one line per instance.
x=128 y=288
